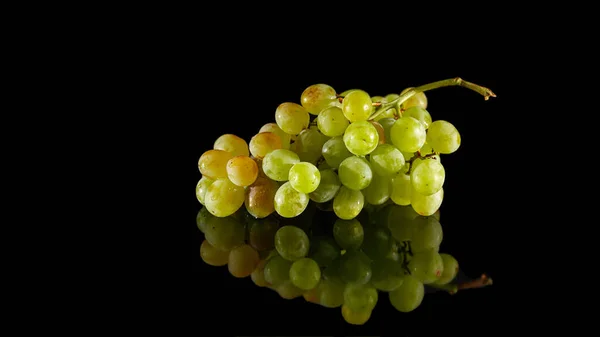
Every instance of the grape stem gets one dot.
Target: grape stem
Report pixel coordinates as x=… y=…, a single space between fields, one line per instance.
x=457 y=81
x=452 y=289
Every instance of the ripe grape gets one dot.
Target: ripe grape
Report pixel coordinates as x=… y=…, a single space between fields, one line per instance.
x=259 y=197
x=408 y=134
x=224 y=233
x=380 y=131
x=288 y=202
x=428 y=177
x=277 y=164
x=292 y=118
x=305 y=273
x=213 y=256
x=427 y=234
x=335 y=151
x=223 y=198
x=277 y=270
x=386 y=160
x=258 y=275
x=263 y=143
x=274 y=128
x=361 y=138
x=408 y=296
x=355 y=317
x=202 y=187
x=213 y=164
x=348 y=203
x=426 y=205
x=401 y=189
x=287 y=290
x=360 y=297
x=291 y=243
x=304 y=177
x=242 y=170
x=419 y=114
x=443 y=137
x=317 y=97
x=242 y=261
x=332 y=122
x=309 y=145
x=330 y=293
x=357 y=106
x=450 y=269
x=426 y=266
x=355 y=173
x=328 y=187
x=378 y=191
x=387 y=274
x=419 y=99
x=233 y=144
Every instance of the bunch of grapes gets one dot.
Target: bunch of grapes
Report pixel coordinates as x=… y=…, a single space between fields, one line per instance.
x=336 y=201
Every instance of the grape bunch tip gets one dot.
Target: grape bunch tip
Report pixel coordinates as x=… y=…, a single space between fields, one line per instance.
x=337 y=200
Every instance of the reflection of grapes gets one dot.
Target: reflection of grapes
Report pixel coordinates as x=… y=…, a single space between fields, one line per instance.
x=338 y=210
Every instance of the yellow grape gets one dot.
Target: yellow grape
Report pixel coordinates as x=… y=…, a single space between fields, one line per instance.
x=419 y=99
x=223 y=198
x=213 y=256
x=233 y=144
x=242 y=170
x=242 y=261
x=260 y=196
x=213 y=163
x=263 y=143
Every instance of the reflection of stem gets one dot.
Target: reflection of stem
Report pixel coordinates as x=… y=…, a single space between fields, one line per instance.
x=481 y=282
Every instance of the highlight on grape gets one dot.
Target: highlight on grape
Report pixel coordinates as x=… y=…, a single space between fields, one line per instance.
x=336 y=201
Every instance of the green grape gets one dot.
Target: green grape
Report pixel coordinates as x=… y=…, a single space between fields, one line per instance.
x=203 y=219
x=357 y=106
x=427 y=234
x=380 y=132
x=332 y=122
x=289 y=291
x=305 y=273
x=387 y=274
x=309 y=145
x=386 y=160
x=378 y=242
x=261 y=233
x=408 y=134
x=355 y=267
x=223 y=198
x=407 y=156
x=375 y=99
x=322 y=165
x=328 y=187
x=378 y=191
x=355 y=317
x=419 y=114
x=443 y=137
x=387 y=124
x=426 y=149
x=260 y=196
x=213 y=164
x=292 y=118
x=360 y=297
x=263 y=143
x=242 y=261
x=401 y=227
x=450 y=269
x=224 y=233
x=277 y=270
x=202 y=187
x=428 y=177
x=348 y=203
x=274 y=128
x=426 y=266
x=242 y=170
x=334 y=151
x=332 y=272
x=304 y=177
x=408 y=296
x=277 y=164
x=288 y=202
x=258 y=275
x=233 y=144
x=355 y=173
x=324 y=250
x=391 y=97
x=348 y=234
x=291 y=243
x=426 y=205
x=361 y=138
x=317 y=97
x=213 y=256
x=330 y=293
x=418 y=99
x=418 y=161
x=401 y=189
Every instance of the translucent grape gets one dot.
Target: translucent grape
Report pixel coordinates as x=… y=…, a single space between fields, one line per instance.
x=289 y=291
x=408 y=296
x=260 y=196
x=378 y=191
x=328 y=187
x=242 y=261
x=317 y=97
x=391 y=97
x=386 y=160
x=355 y=317
x=213 y=164
x=274 y=128
x=304 y=177
x=242 y=170
x=277 y=270
x=428 y=177
x=380 y=131
x=355 y=267
x=387 y=274
x=386 y=124
x=349 y=234
x=376 y=99
x=324 y=250
x=288 y=202
x=233 y=144
x=261 y=233
x=305 y=273
x=360 y=297
x=334 y=151
x=263 y=143
x=361 y=138
x=345 y=93
x=419 y=114
x=450 y=269
x=401 y=189
x=292 y=118
x=408 y=134
x=426 y=266
x=443 y=137
x=426 y=149
x=291 y=243
x=202 y=187
x=258 y=275
x=224 y=233
x=330 y=293
x=213 y=256
x=378 y=242
x=427 y=234
x=418 y=99
x=348 y=203
x=223 y=198
x=332 y=122
x=355 y=173
x=277 y=164
x=309 y=145
x=426 y=205
x=357 y=106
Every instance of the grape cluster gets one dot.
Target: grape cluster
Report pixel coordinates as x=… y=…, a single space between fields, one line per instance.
x=336 y=201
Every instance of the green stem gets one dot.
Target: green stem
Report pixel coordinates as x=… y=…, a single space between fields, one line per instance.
x=457 y=81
